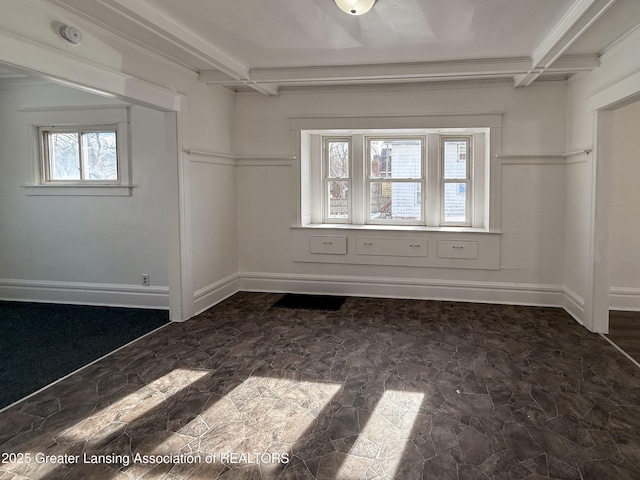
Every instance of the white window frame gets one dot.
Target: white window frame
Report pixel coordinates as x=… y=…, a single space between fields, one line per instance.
x=467 y=180
x=431 y=181
x=45 y=154
x=486 y=130
x=422 y=180
x=82 y=118
x=327 y=179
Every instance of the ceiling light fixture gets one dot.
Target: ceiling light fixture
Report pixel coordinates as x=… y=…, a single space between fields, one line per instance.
x=355 y=7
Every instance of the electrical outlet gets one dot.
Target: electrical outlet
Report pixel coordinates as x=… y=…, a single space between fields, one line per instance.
x=145 y=279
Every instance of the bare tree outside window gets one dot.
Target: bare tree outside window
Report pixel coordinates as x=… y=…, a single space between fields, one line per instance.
x=338 y=152
x=100 y=155
x=80 y=155
x=64 y=156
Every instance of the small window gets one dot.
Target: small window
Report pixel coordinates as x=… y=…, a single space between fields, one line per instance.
x=80 y=155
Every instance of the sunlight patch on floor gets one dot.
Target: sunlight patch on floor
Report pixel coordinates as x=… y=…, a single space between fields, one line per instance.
x=383 y=438
x=131 y=407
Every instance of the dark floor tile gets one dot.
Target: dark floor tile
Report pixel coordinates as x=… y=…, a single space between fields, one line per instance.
x=378 y=389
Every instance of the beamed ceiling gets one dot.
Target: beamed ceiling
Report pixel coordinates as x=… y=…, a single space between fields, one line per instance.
x=269 y=45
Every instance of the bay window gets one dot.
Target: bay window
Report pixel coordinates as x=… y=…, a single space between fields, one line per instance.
x=418 y=177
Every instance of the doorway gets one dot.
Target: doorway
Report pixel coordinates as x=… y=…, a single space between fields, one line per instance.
x=624 y=240
x=82 y=248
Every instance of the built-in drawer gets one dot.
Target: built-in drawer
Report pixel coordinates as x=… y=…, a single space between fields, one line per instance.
x=394 y=247
x=332 y=245
x=457 y=249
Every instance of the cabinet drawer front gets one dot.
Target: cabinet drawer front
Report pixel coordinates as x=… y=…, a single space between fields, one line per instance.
x=394 y=247
x=333 y=245
x=457 y=249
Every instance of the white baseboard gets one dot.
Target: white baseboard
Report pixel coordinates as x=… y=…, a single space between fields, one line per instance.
x=116 y=295
x=481 y=292
x=390 y=287
x=574 y=305
x=624 y=298
x=214 y=293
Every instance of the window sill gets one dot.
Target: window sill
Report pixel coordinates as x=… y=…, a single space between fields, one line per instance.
x=80 y=190
x=392 y=228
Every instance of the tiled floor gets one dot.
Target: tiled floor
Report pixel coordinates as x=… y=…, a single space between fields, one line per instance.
x=380 y=389
x=624 y=331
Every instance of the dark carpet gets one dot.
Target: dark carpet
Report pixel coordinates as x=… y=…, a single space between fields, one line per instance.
x=310 y=302
x=41 y=343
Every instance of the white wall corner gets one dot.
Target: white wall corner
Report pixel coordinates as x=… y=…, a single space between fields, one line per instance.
x=574 y=305
x=214 y=293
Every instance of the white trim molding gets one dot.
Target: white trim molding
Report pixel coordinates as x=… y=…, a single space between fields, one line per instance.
x=65 y=68
x=214 y=293
x=616 y=95
x=387 y=287
x=575 y=22
x=80 y=190
x=215 y=158
x=624 y=298
x=573 y=304
x=81 y=293
x=365 y=75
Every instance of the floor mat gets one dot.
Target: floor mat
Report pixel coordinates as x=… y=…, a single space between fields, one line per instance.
x=310 y=302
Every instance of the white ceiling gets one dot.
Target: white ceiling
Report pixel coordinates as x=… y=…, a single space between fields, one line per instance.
x=291 y=33
x=272 y=44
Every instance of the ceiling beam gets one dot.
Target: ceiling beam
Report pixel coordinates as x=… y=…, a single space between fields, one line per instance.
x=218 y=67
x=574 y=64
x=394 y=73
x=370 y=73
x=418 y=71
x=577 y=20
x=179 y=37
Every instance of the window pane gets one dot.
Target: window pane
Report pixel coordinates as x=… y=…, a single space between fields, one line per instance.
x=395 y=201
x=455 y=202
x=338 y=151
x=100 y=155
x=64 y=156
x=455 y=159
x=399 y=158
x=338 y=199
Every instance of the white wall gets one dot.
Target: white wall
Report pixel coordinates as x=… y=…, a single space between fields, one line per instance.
x=202 y=236
x=87 y=249
x=625 y=222
x=547 y=250
x=212 y=199
x=586 y=246
x=532 y=193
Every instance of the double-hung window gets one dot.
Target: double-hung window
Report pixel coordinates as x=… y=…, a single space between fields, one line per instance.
x=395 y=180
x=337 y=179
x=455 y=180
